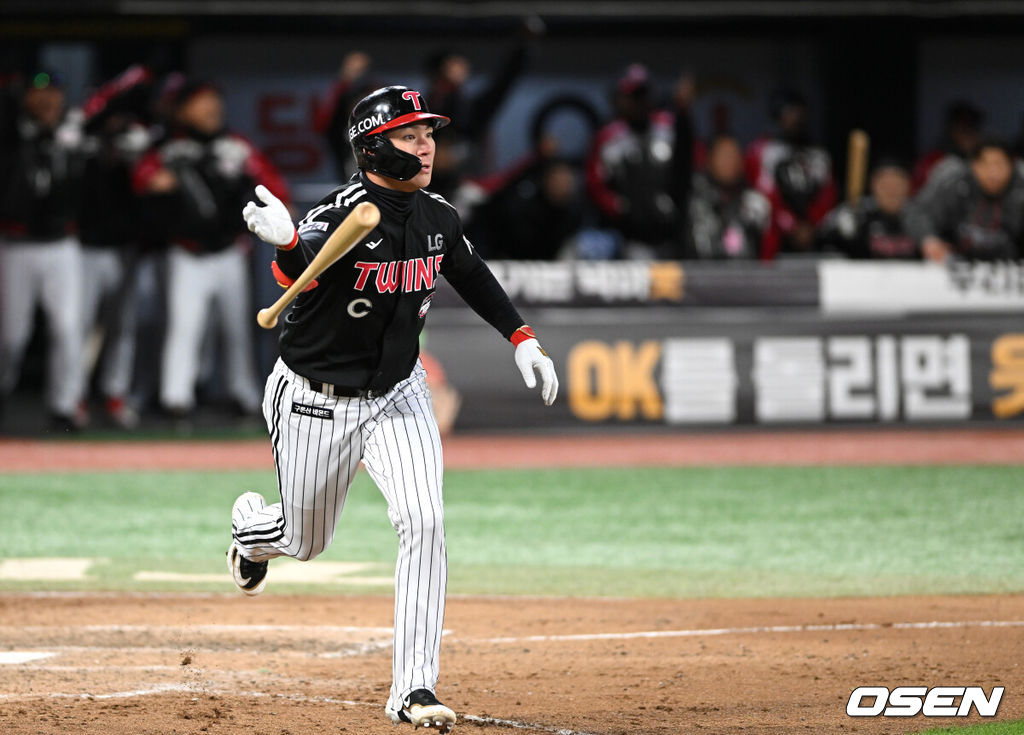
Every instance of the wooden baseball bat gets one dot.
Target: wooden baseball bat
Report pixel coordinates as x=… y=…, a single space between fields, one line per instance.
x=856 y=165
x=346 y=236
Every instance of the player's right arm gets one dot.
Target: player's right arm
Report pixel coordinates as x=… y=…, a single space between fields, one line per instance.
x=273 y=224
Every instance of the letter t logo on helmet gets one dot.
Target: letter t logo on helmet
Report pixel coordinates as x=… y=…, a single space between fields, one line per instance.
x=414 y=96
x=373 y=116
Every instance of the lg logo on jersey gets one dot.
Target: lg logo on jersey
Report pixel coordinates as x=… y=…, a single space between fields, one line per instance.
x=358 y=308
x=934 y=702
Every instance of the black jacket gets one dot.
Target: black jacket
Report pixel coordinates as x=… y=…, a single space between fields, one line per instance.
x=359 y=328
x=978 y=226
x=40 y=182
x=863 y=231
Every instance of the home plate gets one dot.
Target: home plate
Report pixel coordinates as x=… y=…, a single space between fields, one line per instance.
x=285 y=571
x=21 y=657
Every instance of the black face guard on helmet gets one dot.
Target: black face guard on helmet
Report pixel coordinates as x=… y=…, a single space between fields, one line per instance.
x=373 y=116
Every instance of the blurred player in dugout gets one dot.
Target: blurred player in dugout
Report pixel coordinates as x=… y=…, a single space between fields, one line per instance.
x=727 y=218
x=40 y=170
x=638 y=170
x=794 y=173
x=116 y=135
x=974 y=212
x=882 y=225
x=193 y=182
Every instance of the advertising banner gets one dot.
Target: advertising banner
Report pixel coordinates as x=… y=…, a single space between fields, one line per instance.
x=724 y=367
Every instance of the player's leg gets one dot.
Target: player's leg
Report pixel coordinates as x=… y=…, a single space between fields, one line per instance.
x=317 y=442
x=237 y=326
x=95 y=286
x=189 y=286
x=20 y=282
x=403 y=454
x=61 y=301
x=119 y=325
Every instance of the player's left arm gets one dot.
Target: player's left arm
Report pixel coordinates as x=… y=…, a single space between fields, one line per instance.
x=473 y=281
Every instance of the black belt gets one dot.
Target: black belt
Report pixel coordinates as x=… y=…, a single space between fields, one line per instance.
x=342 y=391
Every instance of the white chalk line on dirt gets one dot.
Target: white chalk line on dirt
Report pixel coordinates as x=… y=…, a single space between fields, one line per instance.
x=702 y=632
x=359 y=649
x=22 y=657
x=205 y=628
x=159 y=689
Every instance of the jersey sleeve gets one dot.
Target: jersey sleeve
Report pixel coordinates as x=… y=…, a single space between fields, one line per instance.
x=469 y=275
x=313 y=231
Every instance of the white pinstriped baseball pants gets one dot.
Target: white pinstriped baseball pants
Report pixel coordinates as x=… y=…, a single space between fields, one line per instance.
x=318 y=442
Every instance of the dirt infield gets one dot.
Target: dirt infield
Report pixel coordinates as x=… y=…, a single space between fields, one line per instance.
x=886 y=447
x=279 y=665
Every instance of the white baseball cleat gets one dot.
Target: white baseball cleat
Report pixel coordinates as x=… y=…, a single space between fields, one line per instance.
x=250 y=576
x=423 y=710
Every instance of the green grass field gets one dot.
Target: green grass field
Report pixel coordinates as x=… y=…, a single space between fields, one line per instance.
x=998 y=728
x=730 y=532
x=735 y=532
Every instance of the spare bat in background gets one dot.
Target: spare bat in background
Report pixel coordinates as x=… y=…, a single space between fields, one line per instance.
x=856 y=165
x=359 y=222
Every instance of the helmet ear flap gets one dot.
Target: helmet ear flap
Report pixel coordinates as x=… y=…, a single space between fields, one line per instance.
x=366 y=150
x=378 y=154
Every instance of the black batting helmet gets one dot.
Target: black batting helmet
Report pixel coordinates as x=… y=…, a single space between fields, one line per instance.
x=374 y=115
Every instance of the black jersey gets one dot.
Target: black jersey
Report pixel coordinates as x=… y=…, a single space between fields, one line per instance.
x=359 y=328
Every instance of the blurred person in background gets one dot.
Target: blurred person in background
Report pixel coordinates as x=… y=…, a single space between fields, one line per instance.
x=40 y=185
x=880 y=225
x=960 y=137
x=194 y=182
x=460 y=146
x=529 y=212
x=352 y=83
x=1018 y=144
x=638 y=171
x=795 y=175
x=977 y=214
x=116 y=137
x=728 y=219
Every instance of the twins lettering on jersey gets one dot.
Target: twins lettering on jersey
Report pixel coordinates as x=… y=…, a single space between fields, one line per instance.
x=403 y=276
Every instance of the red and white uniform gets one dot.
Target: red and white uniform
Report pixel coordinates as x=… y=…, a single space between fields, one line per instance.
x=208 y=269
x=797 y=181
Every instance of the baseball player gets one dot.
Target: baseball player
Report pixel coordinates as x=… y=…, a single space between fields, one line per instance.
x=41 y=162
x=188 y=183
x=349 y=385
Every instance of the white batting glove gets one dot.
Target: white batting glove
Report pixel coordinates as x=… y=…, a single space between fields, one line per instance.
x=530 y=356
x=271 y=223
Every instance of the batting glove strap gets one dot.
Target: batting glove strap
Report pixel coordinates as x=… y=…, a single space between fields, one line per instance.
x=521 y=335
x=292 y=244
x=284 y=281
